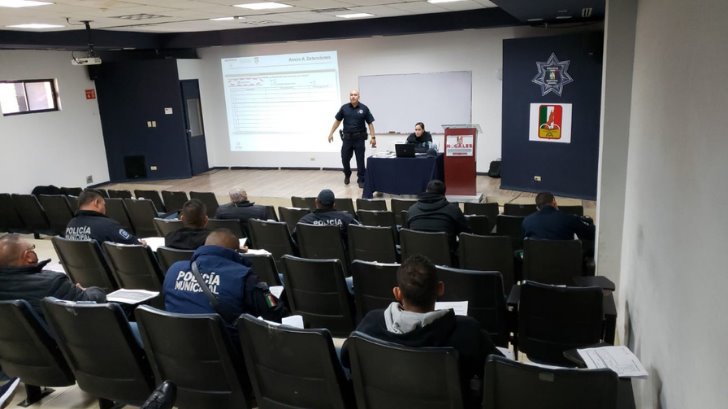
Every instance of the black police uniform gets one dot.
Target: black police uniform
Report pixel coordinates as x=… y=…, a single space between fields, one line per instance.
x=355 y=134
x=423 y=142
x=90 y=225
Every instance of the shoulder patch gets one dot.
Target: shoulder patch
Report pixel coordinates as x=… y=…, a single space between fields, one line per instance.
x=123 y=233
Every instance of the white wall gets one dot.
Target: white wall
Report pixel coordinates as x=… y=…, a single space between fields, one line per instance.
x=674 y=275
x=478 y=51
x=614 y=136
x=59 y=148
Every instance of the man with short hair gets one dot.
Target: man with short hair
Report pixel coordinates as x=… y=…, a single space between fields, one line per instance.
x=326 y=214
x=194 y=227
x=412 y=321
x=433 y=213
x=227 y=274
x=356 y=117
x=22 y=277
x=91 y=222
x=549 y=223
x=241 y=209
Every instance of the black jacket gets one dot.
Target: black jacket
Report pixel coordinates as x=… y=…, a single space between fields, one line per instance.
x=32 y=283
x=462 y=333
x=552 y=224
x=434 y=213
x=186 y=238
x=90 y=225
x=426 y=137
x=242 y=211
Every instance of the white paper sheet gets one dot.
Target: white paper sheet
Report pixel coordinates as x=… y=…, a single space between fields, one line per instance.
x=460 y=307
x=617 y=358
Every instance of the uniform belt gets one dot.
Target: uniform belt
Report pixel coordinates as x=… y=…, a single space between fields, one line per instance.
x=355 y=134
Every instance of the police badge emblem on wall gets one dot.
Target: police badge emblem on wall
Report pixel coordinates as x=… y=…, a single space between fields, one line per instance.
x=552 y=75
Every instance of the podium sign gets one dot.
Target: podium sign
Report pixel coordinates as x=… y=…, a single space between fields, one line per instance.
x=460 y=159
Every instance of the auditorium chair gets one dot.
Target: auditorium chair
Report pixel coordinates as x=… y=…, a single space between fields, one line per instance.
x=371 y=243
x=85 y=263
x=373 y=284
x=488 y=253
x=173 y=201
x=434 y=245
x=516 y=209
x=370 y=204
x=209 y=199
x=58 y=210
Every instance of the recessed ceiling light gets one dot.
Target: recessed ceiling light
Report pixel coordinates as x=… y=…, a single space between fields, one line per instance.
x=535 y=19
x=21 y=3
x=355 y=15
x=442 y=1
x=35 y=26
x=562 y=17
x=263 y=6
x=222 y=19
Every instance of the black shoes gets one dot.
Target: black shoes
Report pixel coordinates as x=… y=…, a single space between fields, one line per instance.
x=347 y=179
x=162 y=398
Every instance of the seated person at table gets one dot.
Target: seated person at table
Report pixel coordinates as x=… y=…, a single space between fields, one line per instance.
x=549 y=223
x=91 y=222
x=421 y=138
x=326 y=215
x=412 y=321
x=194 y=227
x=433 y=213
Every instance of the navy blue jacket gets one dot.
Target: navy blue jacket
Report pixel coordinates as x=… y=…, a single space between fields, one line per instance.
x=227 y=274
x=90 y=225
x=552 y=224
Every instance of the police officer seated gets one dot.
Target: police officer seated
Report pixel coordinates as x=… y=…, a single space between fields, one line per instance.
x=91 y=222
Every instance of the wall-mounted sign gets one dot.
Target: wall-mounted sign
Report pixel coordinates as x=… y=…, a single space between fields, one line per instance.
x=459 y=145
x=550 y=123
x=552 y=75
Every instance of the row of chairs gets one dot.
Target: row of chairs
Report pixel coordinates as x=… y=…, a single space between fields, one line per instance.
x=50 y=214
x=112 y=266
x=490 y=209
x=286 y=367
x=168 y=201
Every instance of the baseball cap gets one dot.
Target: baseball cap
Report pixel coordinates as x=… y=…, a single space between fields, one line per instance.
x=326 y=197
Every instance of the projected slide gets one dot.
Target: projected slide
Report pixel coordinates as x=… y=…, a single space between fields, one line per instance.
x=281 y=102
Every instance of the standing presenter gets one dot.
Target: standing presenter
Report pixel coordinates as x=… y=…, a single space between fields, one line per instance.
x=355 y=115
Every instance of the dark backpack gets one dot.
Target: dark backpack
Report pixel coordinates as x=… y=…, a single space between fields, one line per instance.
x=495 y=169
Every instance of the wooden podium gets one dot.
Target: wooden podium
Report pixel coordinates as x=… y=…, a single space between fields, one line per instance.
x=460 y=158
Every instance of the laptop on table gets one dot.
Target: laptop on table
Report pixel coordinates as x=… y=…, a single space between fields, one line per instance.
x=404 y=150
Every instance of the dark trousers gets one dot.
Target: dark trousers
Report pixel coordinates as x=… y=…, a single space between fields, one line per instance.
x=349 y=147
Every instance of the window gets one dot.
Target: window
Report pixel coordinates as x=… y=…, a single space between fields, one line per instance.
x=28 y=96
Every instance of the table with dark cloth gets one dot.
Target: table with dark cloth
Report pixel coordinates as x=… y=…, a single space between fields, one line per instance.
x=401 y=176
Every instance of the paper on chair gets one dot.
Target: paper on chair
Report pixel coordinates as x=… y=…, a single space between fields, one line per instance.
x=276 y=290
x=293 y=321
x=617 y=358
x=459 y=307
x=258 y=251
x=131 y=296
x=154 y=242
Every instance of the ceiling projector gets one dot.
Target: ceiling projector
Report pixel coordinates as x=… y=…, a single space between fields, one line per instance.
x=85 y=60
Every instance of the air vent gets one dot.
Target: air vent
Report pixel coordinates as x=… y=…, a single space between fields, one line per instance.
x=586 y=12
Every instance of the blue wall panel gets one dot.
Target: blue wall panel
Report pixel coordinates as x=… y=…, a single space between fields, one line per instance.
x=565 y=169
x=131 y=93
